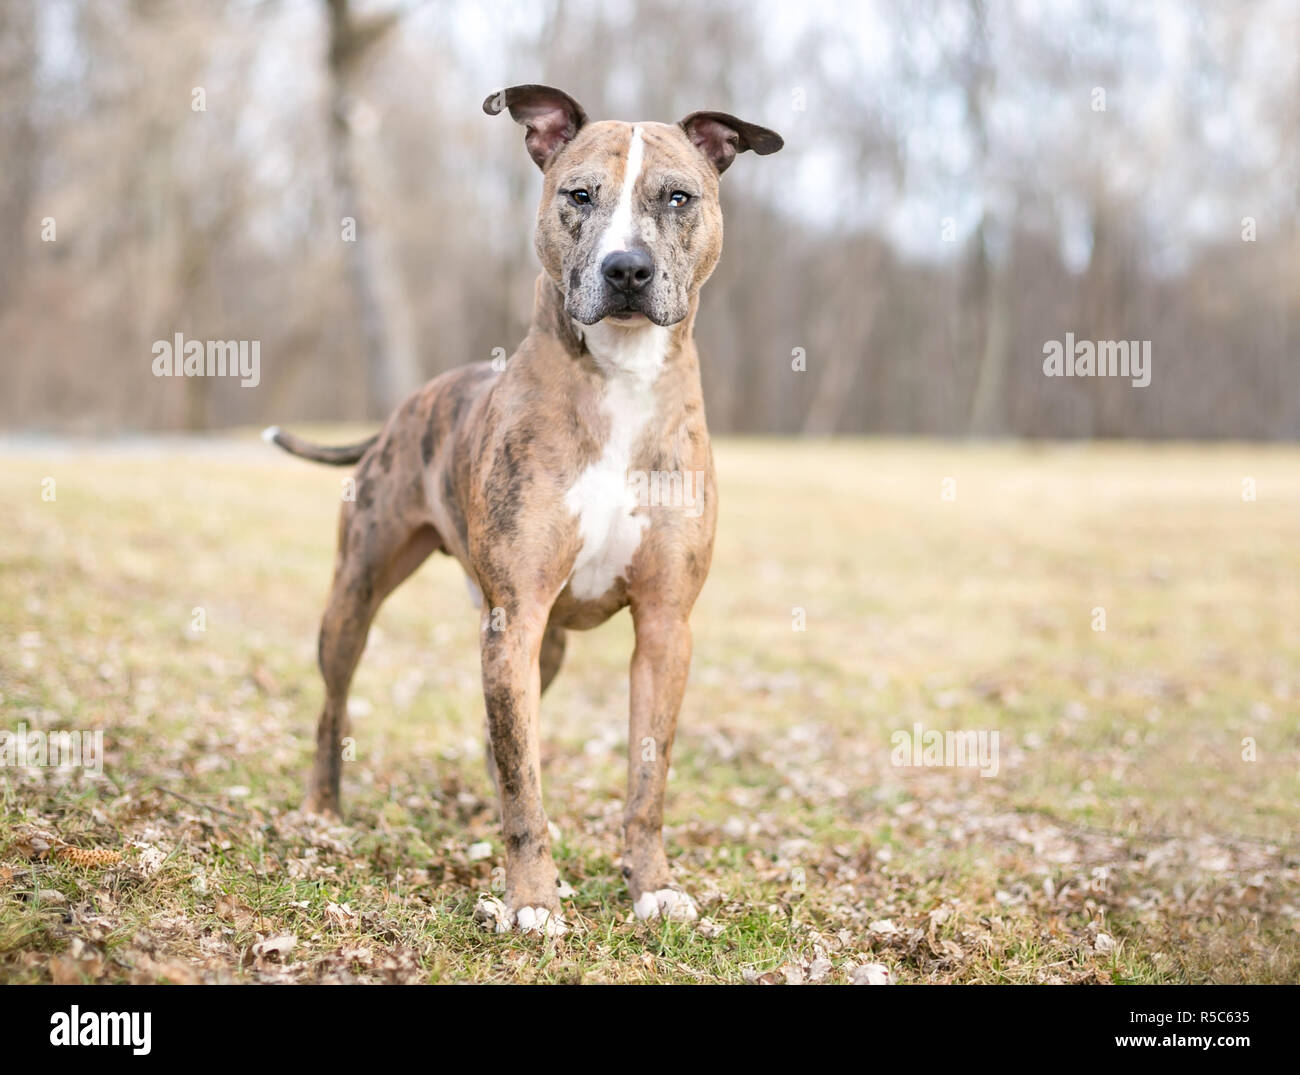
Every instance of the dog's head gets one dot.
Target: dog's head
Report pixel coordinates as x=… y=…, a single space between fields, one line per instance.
x=629 y=224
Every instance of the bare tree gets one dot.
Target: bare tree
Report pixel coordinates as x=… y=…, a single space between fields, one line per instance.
x=377 y=288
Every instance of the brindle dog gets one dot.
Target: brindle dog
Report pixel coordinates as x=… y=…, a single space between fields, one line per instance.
x=535 y=477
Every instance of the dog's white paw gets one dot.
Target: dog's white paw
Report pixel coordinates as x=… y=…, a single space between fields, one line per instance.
x=666 y=903
x=496 y=917
x=540 y=920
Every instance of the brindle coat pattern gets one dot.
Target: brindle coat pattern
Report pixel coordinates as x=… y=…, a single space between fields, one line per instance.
x=477 y=464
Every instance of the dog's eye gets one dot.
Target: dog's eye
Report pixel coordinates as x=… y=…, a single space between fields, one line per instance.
x=580 y=197
x=678 y=198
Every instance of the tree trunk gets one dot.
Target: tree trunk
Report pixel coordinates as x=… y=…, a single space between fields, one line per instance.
x=988 y=415
x=374 y=278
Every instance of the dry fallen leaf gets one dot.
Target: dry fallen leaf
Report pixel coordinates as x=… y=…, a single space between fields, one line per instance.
x=871 y=974
x=234 y=910
x=79 y=964
x=31 y=844
x=340 y=914
x=708 y=929
x=64 y=970
x=491 y=914
x=47 y=896
x=275 y=946
x=150 y=859
x=149 y=971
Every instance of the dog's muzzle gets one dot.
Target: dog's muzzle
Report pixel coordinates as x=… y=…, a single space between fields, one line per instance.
x=622 y=282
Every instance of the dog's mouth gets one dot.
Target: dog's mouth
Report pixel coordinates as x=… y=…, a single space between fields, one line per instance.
x=625 y=314
x=623 y=309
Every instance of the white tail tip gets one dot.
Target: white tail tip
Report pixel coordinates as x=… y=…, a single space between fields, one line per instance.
x=269 y=434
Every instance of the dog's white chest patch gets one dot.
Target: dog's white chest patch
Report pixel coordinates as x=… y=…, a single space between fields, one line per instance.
x=602 y=498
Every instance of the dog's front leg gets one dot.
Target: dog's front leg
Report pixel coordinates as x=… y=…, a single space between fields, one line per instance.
x=511 y=690
x=658 y=679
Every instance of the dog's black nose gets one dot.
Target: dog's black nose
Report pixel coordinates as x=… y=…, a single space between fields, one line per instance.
x=628 y=270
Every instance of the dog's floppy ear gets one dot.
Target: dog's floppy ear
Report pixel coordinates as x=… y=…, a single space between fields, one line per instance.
x=551 y=116
x=720 y=137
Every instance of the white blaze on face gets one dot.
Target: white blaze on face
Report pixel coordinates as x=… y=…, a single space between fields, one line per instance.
x=620 y=233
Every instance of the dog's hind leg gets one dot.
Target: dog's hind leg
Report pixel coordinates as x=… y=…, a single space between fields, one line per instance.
x=552 y=655
x=376 y=554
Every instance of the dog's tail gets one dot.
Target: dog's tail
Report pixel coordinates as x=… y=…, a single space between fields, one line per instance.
x=340 y=456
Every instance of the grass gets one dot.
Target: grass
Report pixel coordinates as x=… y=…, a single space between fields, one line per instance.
x=1125 y=838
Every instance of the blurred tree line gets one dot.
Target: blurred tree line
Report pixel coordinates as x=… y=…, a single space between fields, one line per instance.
x=962 y=181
